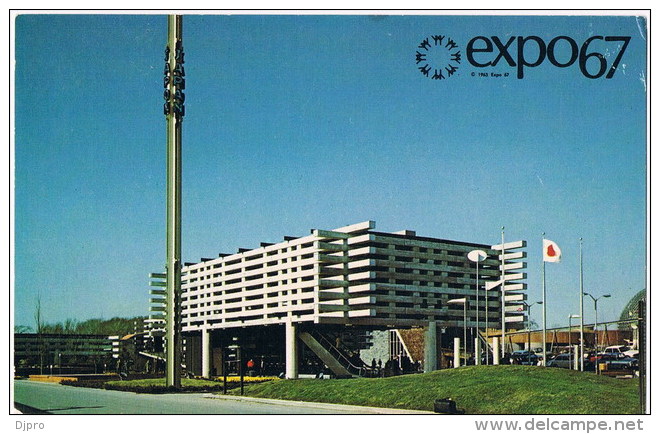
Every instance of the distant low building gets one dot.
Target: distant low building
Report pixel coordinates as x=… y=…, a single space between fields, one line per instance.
x=89 y=352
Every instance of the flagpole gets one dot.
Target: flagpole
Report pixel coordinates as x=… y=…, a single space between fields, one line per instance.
x=544 y=303
x=502 y=289
x=581 y=312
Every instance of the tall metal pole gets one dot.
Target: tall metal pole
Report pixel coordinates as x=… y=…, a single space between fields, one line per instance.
x=595 y=299
x=477 y=256
x=596 y=335
x=544 y=305
x=478 y=335
x=529 y=327
x=487 y=336
x=503 y=284
x=465 y=345
x=529 y=330
x=581 y=312
x=174 y=83
x=570 y=349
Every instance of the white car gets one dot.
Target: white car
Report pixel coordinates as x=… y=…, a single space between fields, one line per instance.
x=621 y=349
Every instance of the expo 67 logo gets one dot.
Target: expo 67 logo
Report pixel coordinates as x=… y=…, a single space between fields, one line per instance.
x=598 y=56
x=438 y=57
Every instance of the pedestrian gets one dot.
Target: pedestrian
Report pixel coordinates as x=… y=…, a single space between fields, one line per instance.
x=387 y=372
x=396 y=366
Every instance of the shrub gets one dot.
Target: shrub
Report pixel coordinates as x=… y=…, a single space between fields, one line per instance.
x=93 y=384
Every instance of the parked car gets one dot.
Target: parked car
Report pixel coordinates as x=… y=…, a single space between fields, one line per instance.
x=561 y=361
x=621 y=349
x=605 y=357
x=566 y=360
x=524 y=357
x=623 y=364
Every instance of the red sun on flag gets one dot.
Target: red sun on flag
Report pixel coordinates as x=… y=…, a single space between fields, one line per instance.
x=551 y=251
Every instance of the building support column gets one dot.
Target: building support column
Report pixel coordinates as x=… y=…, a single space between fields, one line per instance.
x=291 y=350
x=431 y=347
x=457 y=352
x=206 y=353
x=496 y=351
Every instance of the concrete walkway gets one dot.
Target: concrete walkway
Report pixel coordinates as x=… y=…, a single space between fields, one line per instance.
x=320 y=405
x=50 y=398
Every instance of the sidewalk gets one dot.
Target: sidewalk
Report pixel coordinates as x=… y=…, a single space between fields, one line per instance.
x=324 y=405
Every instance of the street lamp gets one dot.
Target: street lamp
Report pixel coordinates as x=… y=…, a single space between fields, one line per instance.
x=570 y=330
x=581 y=311
x=488 y=286
x=595 y=299
x=462 y=301
x=529 y=329
x=477 y=256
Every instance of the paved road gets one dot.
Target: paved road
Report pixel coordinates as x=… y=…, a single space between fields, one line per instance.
x=58 y=399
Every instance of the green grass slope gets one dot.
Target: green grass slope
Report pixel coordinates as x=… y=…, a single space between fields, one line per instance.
x=500 y=389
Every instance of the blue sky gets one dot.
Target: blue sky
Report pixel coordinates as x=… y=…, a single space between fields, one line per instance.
x=300 y=122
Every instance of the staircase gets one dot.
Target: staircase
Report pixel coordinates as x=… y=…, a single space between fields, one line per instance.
x=151 y=356
x=485 y=345
x=333 y=357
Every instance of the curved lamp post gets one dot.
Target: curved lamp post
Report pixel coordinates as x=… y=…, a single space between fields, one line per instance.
x=462 y=301
x=528 y=306
x=477 y=256
x=595 y=299
x=571 y=355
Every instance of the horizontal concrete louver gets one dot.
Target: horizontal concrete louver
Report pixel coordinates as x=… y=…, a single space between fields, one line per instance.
x=510 y=257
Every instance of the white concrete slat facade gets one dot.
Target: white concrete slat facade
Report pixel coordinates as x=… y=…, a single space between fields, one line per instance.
x=510 y=264
x=350 y=275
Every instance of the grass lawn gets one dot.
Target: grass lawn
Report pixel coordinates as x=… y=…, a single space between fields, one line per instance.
x=503 y=389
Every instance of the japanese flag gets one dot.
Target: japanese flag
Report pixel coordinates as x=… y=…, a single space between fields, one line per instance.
x=551 y=251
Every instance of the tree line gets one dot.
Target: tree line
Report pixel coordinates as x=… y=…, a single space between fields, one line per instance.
x=96 y=326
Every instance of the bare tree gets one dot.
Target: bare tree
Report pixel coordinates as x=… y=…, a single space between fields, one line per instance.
x=70 y=326
x=37 y=316
x=39 y=323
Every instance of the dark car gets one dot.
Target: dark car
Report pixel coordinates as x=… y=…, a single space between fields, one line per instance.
x=524 y=357
x=623 y=364
x=605 y=357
